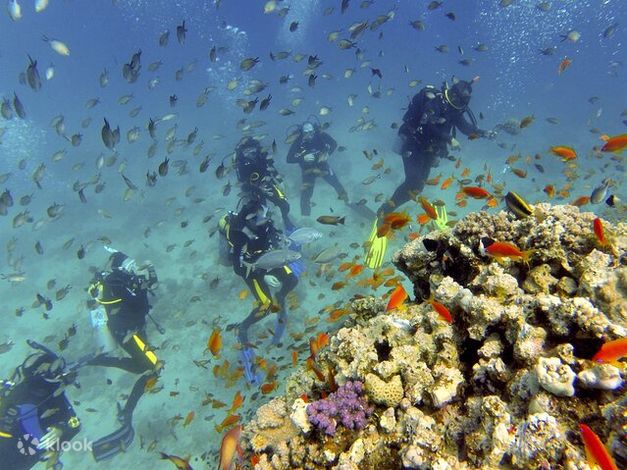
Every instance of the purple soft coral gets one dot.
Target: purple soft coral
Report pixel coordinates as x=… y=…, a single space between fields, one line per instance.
x=346 y=406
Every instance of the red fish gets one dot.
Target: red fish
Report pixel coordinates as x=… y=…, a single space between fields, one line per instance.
x=595 y=450
x=441 y=309
x=397 y=220
x=214 y=344
x=500 y=250
x=611 y=351
x=230 y=445
x=564 y=64
x=397 y=298
x=476 y=192
x=428 y=208
x=567 y=153
x=599 y=231
x=618 y=143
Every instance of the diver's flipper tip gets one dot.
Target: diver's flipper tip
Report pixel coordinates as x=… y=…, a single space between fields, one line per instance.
x=116 y=442
x=376 y=249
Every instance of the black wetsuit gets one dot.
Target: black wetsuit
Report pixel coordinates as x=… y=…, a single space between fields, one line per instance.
x=262 y=181
x=248 y=244
x=428 y=125
x=321 y=145
x=124 y=296
x=22 y=408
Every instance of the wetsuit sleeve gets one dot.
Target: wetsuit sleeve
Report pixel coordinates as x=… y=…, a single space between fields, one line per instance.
x=467 y=127
x=65 y=419
x=292 y=156
x=411 y=119
x=330 y=144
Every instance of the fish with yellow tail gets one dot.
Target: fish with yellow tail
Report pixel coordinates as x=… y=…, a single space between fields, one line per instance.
x=179 y=463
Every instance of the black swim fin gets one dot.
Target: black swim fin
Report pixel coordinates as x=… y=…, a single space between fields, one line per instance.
x=116 y=442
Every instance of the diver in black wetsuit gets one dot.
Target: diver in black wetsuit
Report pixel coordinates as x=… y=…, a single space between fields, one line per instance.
x=249 y=233
x=311 y=151
x=259 y=178
x=36 y=417
x=120 y=298
x=428 y=127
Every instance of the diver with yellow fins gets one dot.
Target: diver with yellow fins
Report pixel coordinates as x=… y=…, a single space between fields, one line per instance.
x=119 y=307
x=429 y=126
x=259 y=178
x=36 y=417
x=259 y=253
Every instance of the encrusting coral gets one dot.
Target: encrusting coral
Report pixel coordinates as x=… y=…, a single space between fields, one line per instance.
x=505 y=385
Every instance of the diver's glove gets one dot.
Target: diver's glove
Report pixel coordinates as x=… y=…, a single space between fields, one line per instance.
x=272 y=281
x=50 y=439
x=491 y=135
x=247 y=357
x=310 y=157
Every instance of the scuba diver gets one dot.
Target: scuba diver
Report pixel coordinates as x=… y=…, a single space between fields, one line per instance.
x=259 y=178
x=36 y=417
x=119 y=307
x=311 y=151
x=250 y=233
x=428 y=128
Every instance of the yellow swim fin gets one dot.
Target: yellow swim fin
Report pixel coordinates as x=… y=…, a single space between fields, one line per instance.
x=376 y=249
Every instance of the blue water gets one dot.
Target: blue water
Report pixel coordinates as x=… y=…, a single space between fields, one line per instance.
x=515 y=81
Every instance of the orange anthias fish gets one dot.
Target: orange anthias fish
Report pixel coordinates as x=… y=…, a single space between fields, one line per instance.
x=476 y=192
x=229 y=447
x=181 y=464
x=580 y=201
x=428 y=208
x=441 y=310
x=447 y=182
x=383 y=230
x=549 y=189
x=228 y=421
x=500 y=250
x=355 y=271
x=214 y=344
x=397 y=220
x=599 y=231
x=595 y=450
x=397 y=298
x=268 y=387
x=238 y=400
x=564 y=64
x=612 y=351
x=567 y=153
x=618 y=143
x=188 y=419
x=423 y=219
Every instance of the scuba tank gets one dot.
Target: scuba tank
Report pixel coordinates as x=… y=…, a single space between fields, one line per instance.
x=99 y=319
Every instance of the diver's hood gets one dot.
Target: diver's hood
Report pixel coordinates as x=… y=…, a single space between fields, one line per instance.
x=459 y=94
x=43 y=364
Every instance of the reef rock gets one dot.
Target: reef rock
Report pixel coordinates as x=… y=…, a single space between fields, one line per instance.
x=508 y=381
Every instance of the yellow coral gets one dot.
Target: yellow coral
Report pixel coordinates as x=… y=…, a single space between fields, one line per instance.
x=385 y=393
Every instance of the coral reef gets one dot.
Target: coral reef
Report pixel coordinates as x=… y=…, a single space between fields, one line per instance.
x=346 y=406
x=506 y=384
